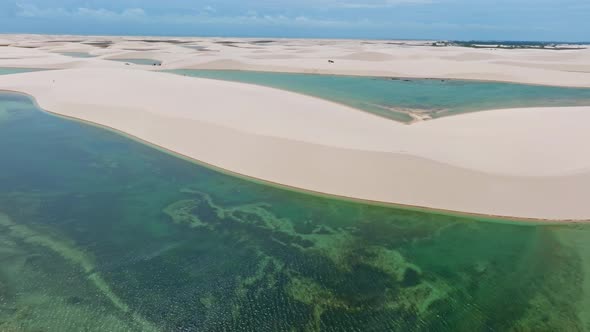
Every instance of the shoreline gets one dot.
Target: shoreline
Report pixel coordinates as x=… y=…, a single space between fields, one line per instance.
x=527 y=162
x=376 y=76
x=414 y=208
x=165 y=71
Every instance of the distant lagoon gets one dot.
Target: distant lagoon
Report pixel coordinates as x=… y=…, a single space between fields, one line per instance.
x=8 y=71
x=405 y=99
x=78 y=54
x=143 y=62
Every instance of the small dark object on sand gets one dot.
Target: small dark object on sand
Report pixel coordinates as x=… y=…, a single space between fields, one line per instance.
x=127 y=64
x=330 y=61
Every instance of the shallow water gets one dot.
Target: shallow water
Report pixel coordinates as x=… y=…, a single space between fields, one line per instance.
x=100 y=233
x=78 y=54
x=396 y=98
x=8 y=71
x=144 y=62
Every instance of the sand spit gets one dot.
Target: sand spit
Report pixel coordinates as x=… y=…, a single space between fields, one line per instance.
x=528 y=163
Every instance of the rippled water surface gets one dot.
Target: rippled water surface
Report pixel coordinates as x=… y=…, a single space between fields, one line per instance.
x=100 y=233
x=408 y=100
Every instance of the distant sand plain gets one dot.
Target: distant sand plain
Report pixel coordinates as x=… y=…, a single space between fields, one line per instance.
x=524 y=163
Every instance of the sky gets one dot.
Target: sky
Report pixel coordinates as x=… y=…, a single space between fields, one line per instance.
x=548 y=20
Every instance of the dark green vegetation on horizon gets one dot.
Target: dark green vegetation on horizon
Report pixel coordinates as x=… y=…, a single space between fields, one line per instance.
x=101 y=233
x=407 y=100
x=507 y=44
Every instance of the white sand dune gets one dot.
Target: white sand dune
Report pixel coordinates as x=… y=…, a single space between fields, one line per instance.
x=526 y=163
x=368 y=56
x=353 y=57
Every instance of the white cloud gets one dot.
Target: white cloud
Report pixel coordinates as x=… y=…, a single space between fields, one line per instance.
x=210 y=9
x=29 y=10
x=381 y=3
x=251 y=13
x=206 y=16
x=209 y=16
x=252 y=18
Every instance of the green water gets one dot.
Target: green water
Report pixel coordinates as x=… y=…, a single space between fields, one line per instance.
x=143 y=62
x=78 y=54
x=100 y=233
x=394 y=98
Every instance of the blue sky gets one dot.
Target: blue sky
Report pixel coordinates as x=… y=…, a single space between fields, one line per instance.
x=567 y=20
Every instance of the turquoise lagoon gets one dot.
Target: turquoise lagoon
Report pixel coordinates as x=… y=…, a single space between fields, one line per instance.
x=8 y=71
x=397 y=98
x=101 y=233
x=78 y=54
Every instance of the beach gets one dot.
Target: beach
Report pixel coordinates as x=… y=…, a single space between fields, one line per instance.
x=523 y=163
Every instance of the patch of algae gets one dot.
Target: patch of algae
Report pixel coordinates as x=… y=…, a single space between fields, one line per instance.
x=340 y=246
x=265 y=262
x=324 y=240
x=267 y=269
x=416 y=295
x=75 y=257
x=208 y=300
x=180 y=213
x=313 y=294
x=371 y=276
